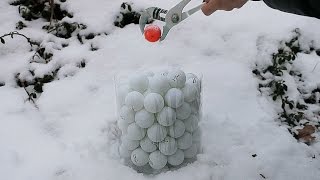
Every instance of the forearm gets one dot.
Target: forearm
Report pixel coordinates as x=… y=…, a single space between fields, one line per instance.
x=302 y=7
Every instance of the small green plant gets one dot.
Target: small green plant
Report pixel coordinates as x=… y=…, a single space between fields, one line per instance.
x=64 y=29
x=46 y=9
x=20 y=25
x=294 y=113
x=50 y=11
x=127 y=15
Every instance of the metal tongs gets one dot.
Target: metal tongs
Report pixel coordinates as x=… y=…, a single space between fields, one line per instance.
x=171 y=18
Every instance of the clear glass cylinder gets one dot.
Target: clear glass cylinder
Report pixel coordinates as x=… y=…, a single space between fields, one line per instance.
x=158 y=114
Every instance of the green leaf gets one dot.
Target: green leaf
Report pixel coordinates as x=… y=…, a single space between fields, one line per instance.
x=279 y=73
x=2 y=41
x=33 y=95
x=274 y=97
x=283 y=68
x=290 y=105
x=301 y=106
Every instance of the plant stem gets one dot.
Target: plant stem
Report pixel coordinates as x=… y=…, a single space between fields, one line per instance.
x=30 y=98
x=17 y=33
x=51 y=2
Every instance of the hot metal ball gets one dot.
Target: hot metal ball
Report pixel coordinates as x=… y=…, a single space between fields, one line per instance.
x=152 y=33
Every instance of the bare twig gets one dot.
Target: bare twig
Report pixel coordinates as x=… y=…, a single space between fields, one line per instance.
x=17 y=33
x=30 y=98
x=262 y=176
x=315 y=67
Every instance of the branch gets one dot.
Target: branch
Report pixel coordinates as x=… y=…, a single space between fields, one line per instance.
x=19 y=34
x=30 y=97
x=51 y=2
x=315 y=67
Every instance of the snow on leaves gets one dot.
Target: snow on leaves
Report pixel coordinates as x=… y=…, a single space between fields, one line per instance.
x=300 y=115
x=46 y=9
x=52 y=13
x=127 y=15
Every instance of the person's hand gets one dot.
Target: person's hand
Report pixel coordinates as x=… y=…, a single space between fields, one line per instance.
x=227 y=5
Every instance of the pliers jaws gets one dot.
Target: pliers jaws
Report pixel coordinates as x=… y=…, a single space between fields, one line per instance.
x=171 y=17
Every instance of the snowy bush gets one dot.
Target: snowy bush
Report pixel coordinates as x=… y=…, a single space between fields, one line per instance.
x=155 y=117
x=46 y=9
x=127 y=15
x=296 y=93
x=40 y=70
x=51 y=11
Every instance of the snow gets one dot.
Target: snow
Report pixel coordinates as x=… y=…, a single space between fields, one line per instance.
x=72 y=134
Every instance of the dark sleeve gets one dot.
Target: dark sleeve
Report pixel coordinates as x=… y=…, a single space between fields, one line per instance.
x=302 y=7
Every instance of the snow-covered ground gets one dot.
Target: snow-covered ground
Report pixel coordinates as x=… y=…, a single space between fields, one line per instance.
x=70 y=135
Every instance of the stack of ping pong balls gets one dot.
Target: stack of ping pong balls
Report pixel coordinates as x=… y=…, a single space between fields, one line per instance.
x=158 y=117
